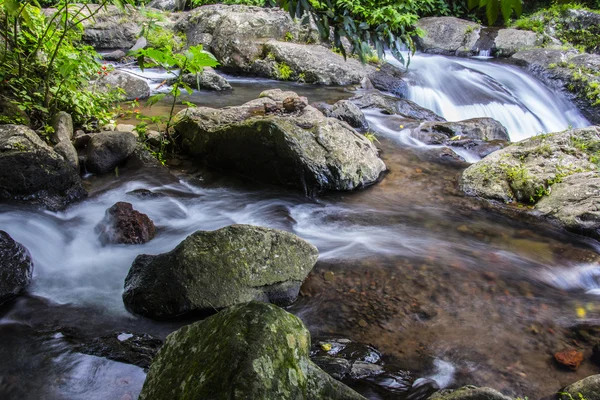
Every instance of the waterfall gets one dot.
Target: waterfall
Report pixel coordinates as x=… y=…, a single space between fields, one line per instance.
x=459 y=89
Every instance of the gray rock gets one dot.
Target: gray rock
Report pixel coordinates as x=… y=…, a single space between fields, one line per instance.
x=63 y=127
x=394 y=106
x=116 y=55
x=313 y=64
x=345 y=110
x=140 y=43
x=154 y=138
x=239 y=32
x=556 y=172
x=112 y=28
x=165 y=5
x=16 y=268
x=447 y=35
x=31 y=171
x=81 y=140
x=510 y=41
x=212 y=270
x=69 y=153
x=125 y=128
x=208 y=79
x=389 y=78
x=474 y=134
x=305 y=150
x=469 y=393
x=134 y=87
x=106 y=150
x=589 y=388
x=260 y=348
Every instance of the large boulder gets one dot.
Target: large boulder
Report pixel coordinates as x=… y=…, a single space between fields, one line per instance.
x=557 y=172
x=16 y=267
x=107 y=150
x=124 y=225
x=31 y=171
x=588 y=388
x=394 y=106
x=447 y=35
x=509 y=41
x=235 y=34
x=133 y=86
x=250 y=351
x=304 y=149
x=469 y=393
x=212 y=270
x=568 y=71
x=112 y=27
x=311 y=63
x=267 y=42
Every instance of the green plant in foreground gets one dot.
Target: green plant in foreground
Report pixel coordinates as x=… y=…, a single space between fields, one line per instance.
x=284 y=71
x=193 y=61
x=493 y=8
x=43 y=67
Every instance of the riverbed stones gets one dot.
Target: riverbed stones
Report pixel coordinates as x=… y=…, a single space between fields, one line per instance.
x=107 y=150
x=589 y=388
x=211 y=270
x=570 y=358
x=556 y=172
x=303 y=149
x=447 y=35
x=32 y=172
x=469 y=393
x=249 y=351
x=124 y=225
x=16 y=267
x=134 y=87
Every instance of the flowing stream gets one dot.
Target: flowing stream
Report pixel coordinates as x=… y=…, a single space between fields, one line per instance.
x=446 y=287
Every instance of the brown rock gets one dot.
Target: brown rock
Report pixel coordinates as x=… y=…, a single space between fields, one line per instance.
x=124 y=225
x=569 y=358
x=293 y=104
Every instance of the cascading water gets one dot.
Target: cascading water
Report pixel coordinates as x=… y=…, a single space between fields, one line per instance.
x=459 y=89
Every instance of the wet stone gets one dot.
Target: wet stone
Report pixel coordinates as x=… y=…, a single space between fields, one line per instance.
x=569 y=358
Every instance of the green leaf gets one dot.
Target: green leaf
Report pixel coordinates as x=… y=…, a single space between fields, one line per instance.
x=492 y=11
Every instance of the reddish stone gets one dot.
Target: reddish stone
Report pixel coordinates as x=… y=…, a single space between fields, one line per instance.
x=569 y=358
x=124 y=225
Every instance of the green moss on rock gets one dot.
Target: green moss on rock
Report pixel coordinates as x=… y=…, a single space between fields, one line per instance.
x=211 y=270
x=250 y=351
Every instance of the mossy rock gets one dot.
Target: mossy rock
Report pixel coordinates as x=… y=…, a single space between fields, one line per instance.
x=250 y=351
x=212 y=270
x=303 y=149
x=588 y=388
x=556 y=173
x=469 y=393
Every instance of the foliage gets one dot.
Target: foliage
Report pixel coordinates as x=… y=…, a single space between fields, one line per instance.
x=260 y=3
x=284 y=72
x=557 y=19
x=44 y=70
x=365 y=24
x=493 y=8
x=193 y=61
